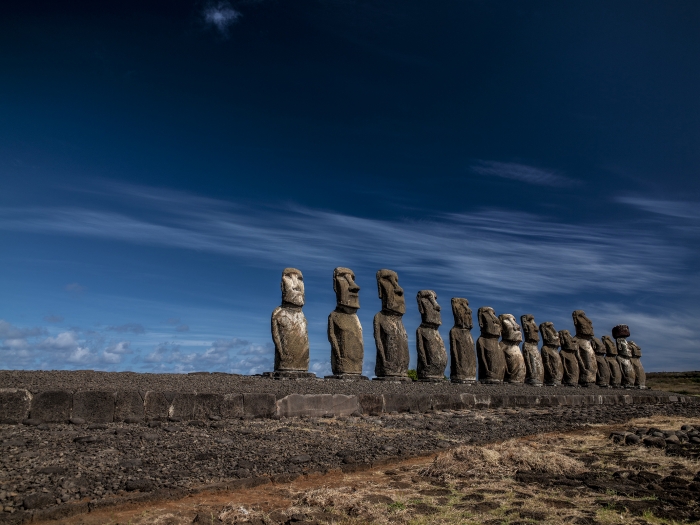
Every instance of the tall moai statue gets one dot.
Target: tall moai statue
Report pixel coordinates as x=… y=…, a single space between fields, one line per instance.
x=344 y=328
x=462 y=351
x=624 y=355
x=640 y=377
x=611 y=360
x=432 y=357
x=587 y=363
x=492 y=363
x=569 y=358
x=511 y=337
x=534 y=368
x=389 y=333
x=551 y=360
x=289 y=330
x=602 y=377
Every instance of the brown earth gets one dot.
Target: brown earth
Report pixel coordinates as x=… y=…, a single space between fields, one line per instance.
x=685 y=383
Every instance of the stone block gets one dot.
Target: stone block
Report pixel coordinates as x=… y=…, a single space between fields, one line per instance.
x=52 y=406
x=482 y=401
x=396 y=403
x=259 y=405
x=314 y=405
x=128 y=404
x=181 y=405
x=94 y=406
x=207 y=405
x=232 y=406
x=156 y=406
x=14 y=405
x=447 y=402
x=468 y=400
x=370 y=404
x=344 y=405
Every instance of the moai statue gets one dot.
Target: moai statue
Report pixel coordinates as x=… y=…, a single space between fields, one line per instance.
x=511 y=337
x=587 y=363
x=611 y=360
x=289 y=331
x=492 y=362
x=551 y=360
x=624 y=354
x=344 y=329
x=533 y=360
x=462 y=352
x=432 y=357
x=640 y=377
x=389 y=333
x=602 y=377
x=569 y=358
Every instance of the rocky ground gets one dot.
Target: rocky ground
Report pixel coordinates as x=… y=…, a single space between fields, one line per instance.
x=67 y=469
x=36 y=381
x=686 y=383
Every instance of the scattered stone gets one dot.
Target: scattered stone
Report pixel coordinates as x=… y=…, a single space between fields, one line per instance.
x=77 y=421
x=139 y=484
x=302 y=458
x=38 y=501
x=654 y=441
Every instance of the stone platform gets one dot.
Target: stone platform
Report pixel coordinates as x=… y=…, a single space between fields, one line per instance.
x=102 y=397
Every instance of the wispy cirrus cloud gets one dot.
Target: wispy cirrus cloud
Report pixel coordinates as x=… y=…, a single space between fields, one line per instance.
x=523 y=173
x=669 y=208
x=220 y=15
x=134 y=328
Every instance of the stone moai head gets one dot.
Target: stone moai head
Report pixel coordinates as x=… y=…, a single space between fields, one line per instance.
x=462 y=313
x=598 y=346
x=550 y=336
x=610 y=347
x=567 y=341
x=390 y=292
x=623 y=348
x=488 y=322
x=634 y=348
x=530 y=328
x=584 y=326
x=347 y=293
x=510 y=329
x=428 y=307
x=292 y=287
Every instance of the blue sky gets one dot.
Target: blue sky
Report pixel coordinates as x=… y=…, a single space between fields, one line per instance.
x=162 y=163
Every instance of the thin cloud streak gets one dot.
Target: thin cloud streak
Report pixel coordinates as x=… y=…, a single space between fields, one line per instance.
x=522 y=173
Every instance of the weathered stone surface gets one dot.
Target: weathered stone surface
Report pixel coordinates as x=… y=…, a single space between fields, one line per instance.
x=621 y=330
x=624 y=355
x=390 y=335
x=416 y=403
x=94 y=406
x=289 y=327
x=371 y=404
x=462 y=350
x=207 y=406
x=52 y=406
x=156 y=406
x=587 y=363
x=432 y=357
x=492 y=363
x=259 y=405
x=551 y=361
x=128 y=404
x=317 y=405
x=611 y=360
x=182 y=406
x=640 y=377
x=602 y=378
x=232 y=406
x=447 y=402
x=344 y=328
x=569 y=360
x=511 y=337
x=14 y=405
x=534 y=368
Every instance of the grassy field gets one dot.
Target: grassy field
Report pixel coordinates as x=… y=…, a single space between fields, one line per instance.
x=686 y=383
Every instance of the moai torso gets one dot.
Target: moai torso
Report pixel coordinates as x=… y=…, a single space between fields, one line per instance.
x=462 y=351
x=289 y=327
x=390 y=335
x=569 y=358
x=534 y=369
x=432 y=358
x=587 y=363
x=492 y=363
x=611 y=360
x=640 y=377
x=344 y=329
x=602 y=378
x=624 y=354
x=551 y=360
x=511 y=337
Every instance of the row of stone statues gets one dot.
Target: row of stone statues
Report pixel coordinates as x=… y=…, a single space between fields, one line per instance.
x=584 y=360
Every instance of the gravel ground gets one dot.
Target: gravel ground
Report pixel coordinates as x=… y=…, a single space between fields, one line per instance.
x=36 y=381
x=103 y=464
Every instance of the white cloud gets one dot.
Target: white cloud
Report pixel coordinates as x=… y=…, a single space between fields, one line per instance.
x=134 y=328
x=670 y=208
x=522 y=173
x=221 y=15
